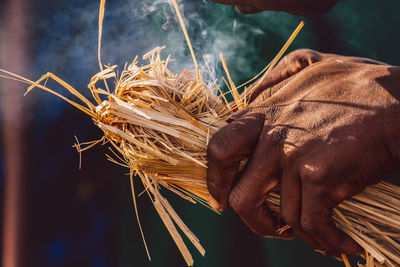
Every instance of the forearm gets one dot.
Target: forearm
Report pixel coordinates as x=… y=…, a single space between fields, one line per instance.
x=303 y=8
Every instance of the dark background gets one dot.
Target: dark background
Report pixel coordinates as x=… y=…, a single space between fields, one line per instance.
x=72 y=217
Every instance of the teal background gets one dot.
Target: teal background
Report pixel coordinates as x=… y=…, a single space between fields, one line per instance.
x=86 y=217
x=355 y=28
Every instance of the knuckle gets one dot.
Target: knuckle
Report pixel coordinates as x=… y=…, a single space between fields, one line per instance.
x=314 y=175
x=214 y=186
x=277 y=136
x=307 y=226
x=300 y=52
x=239 y=202
x=343 y=191
x=304 y=56
x=236 y=115
x=313 y=227
x=218 y=148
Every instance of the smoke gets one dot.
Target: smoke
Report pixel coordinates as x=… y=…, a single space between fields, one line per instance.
x=154 y=23
x=66 y=38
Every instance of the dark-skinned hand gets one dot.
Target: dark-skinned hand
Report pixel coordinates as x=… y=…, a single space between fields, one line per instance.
x=296 y=7
x=323 y=127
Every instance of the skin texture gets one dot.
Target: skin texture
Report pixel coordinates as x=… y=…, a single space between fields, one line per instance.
x=323 y=127
x=296 y=7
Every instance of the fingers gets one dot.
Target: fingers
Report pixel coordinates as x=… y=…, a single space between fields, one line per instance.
x=294 y=63
x=316 y=221
x=291 y=64
x=304 y=8
x=291 y=199
x=226 y=149
x=307 y=208
x=260 y=176
x=291 y=206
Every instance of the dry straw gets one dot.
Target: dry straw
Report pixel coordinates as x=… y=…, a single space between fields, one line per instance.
x=158 y=125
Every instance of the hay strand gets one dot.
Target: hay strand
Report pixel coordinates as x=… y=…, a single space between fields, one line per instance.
x=160 y=123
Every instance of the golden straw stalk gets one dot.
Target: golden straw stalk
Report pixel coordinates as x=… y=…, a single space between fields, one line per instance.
x=158 y=125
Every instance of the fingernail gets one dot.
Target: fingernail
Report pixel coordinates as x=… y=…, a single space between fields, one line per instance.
x=214 y=204
x=286 y=233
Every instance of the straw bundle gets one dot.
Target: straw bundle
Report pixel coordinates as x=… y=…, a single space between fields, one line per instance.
x=159 y=125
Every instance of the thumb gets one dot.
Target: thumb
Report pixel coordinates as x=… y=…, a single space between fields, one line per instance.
x=227 y=148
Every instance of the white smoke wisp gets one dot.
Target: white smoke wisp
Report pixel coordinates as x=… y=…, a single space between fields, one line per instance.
x=68 y=37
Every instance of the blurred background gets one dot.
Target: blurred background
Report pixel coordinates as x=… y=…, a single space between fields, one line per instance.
x=52 y=213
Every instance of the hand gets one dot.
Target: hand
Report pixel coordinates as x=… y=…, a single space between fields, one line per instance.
x=296 y=7
x=322 y=126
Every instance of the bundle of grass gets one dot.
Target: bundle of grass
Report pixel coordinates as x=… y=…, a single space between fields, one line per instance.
x=159 y=124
